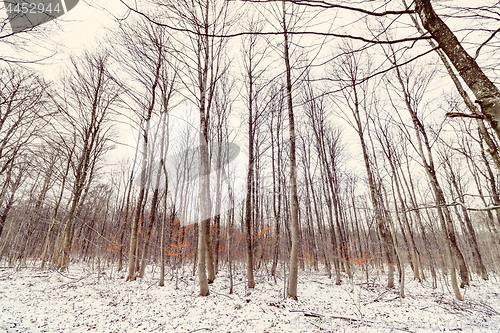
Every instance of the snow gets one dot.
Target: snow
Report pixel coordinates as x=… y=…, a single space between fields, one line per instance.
x=81 y=301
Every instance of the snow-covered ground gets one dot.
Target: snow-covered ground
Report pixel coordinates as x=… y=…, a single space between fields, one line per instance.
x=81 y=301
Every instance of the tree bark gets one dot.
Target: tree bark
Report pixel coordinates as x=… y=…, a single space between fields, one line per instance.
x=294 y=253
x=487 y=94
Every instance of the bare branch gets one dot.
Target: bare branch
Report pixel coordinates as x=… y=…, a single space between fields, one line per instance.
x=485 y=42
x=454 y=203
x=465 y=115
x=327 y=5
x=274 y=33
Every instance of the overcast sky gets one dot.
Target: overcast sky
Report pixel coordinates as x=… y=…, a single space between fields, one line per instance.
x=78 y=30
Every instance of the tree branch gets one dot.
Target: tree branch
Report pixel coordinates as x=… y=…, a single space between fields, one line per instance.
x=327 y=5
x=454 y=203
x=465 y=115
x=485 y=42
x=274 y=33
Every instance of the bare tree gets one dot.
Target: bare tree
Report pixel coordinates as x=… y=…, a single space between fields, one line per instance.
x=412 y=96
x=487 y=94
x=202 y=63
x=144 y=59
x=358 y=99
x=92 y=95
x=276 y=133
x=253 y=56
x=66 y=150
x=294 y=204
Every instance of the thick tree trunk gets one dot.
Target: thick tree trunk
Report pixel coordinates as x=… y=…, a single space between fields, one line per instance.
x=209 y=253
x=492 y=147
x=202 y=269
x=6 y=210
x=487 y=94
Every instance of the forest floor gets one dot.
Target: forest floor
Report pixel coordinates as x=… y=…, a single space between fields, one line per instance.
x=83 y=300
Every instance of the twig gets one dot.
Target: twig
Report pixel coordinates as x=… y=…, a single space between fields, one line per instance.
x=321 y=282
x=69 y=277
x=152 y=284
x=318 y=326
x=214 y=292
x=62 y=285
x=368 y=321
x=353 y=320
x=308 y=314
x=379 y=296
x=154 y=329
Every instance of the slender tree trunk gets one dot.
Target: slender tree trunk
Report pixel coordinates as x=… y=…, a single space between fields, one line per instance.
x=476 y=254
x=163 y=222
x=443 y=212
x=276 y=170
x=412 y=247
x=230 y=216
x=154 y=203
x=68 y=230
x=138 y=208
x=248 y=203
x=294 y=253
x=376 y=200
x=54 y=214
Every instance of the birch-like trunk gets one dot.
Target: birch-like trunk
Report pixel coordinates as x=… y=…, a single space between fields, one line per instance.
x=294 y=204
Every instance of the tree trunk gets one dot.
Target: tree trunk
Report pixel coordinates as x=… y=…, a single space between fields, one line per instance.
x=248 y=203
x=154 y=203
x=276 y=170
x=204 y=200
x=487 y=94
x=376 y=200
x=294 y=253
x=476 y=254
x=163 y=222
x=138 y=208
x=492 y=147
x=443 y=212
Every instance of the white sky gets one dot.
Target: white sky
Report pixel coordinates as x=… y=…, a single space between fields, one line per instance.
x=90 y=21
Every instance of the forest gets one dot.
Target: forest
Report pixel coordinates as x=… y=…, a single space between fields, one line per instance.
x=267 y=138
